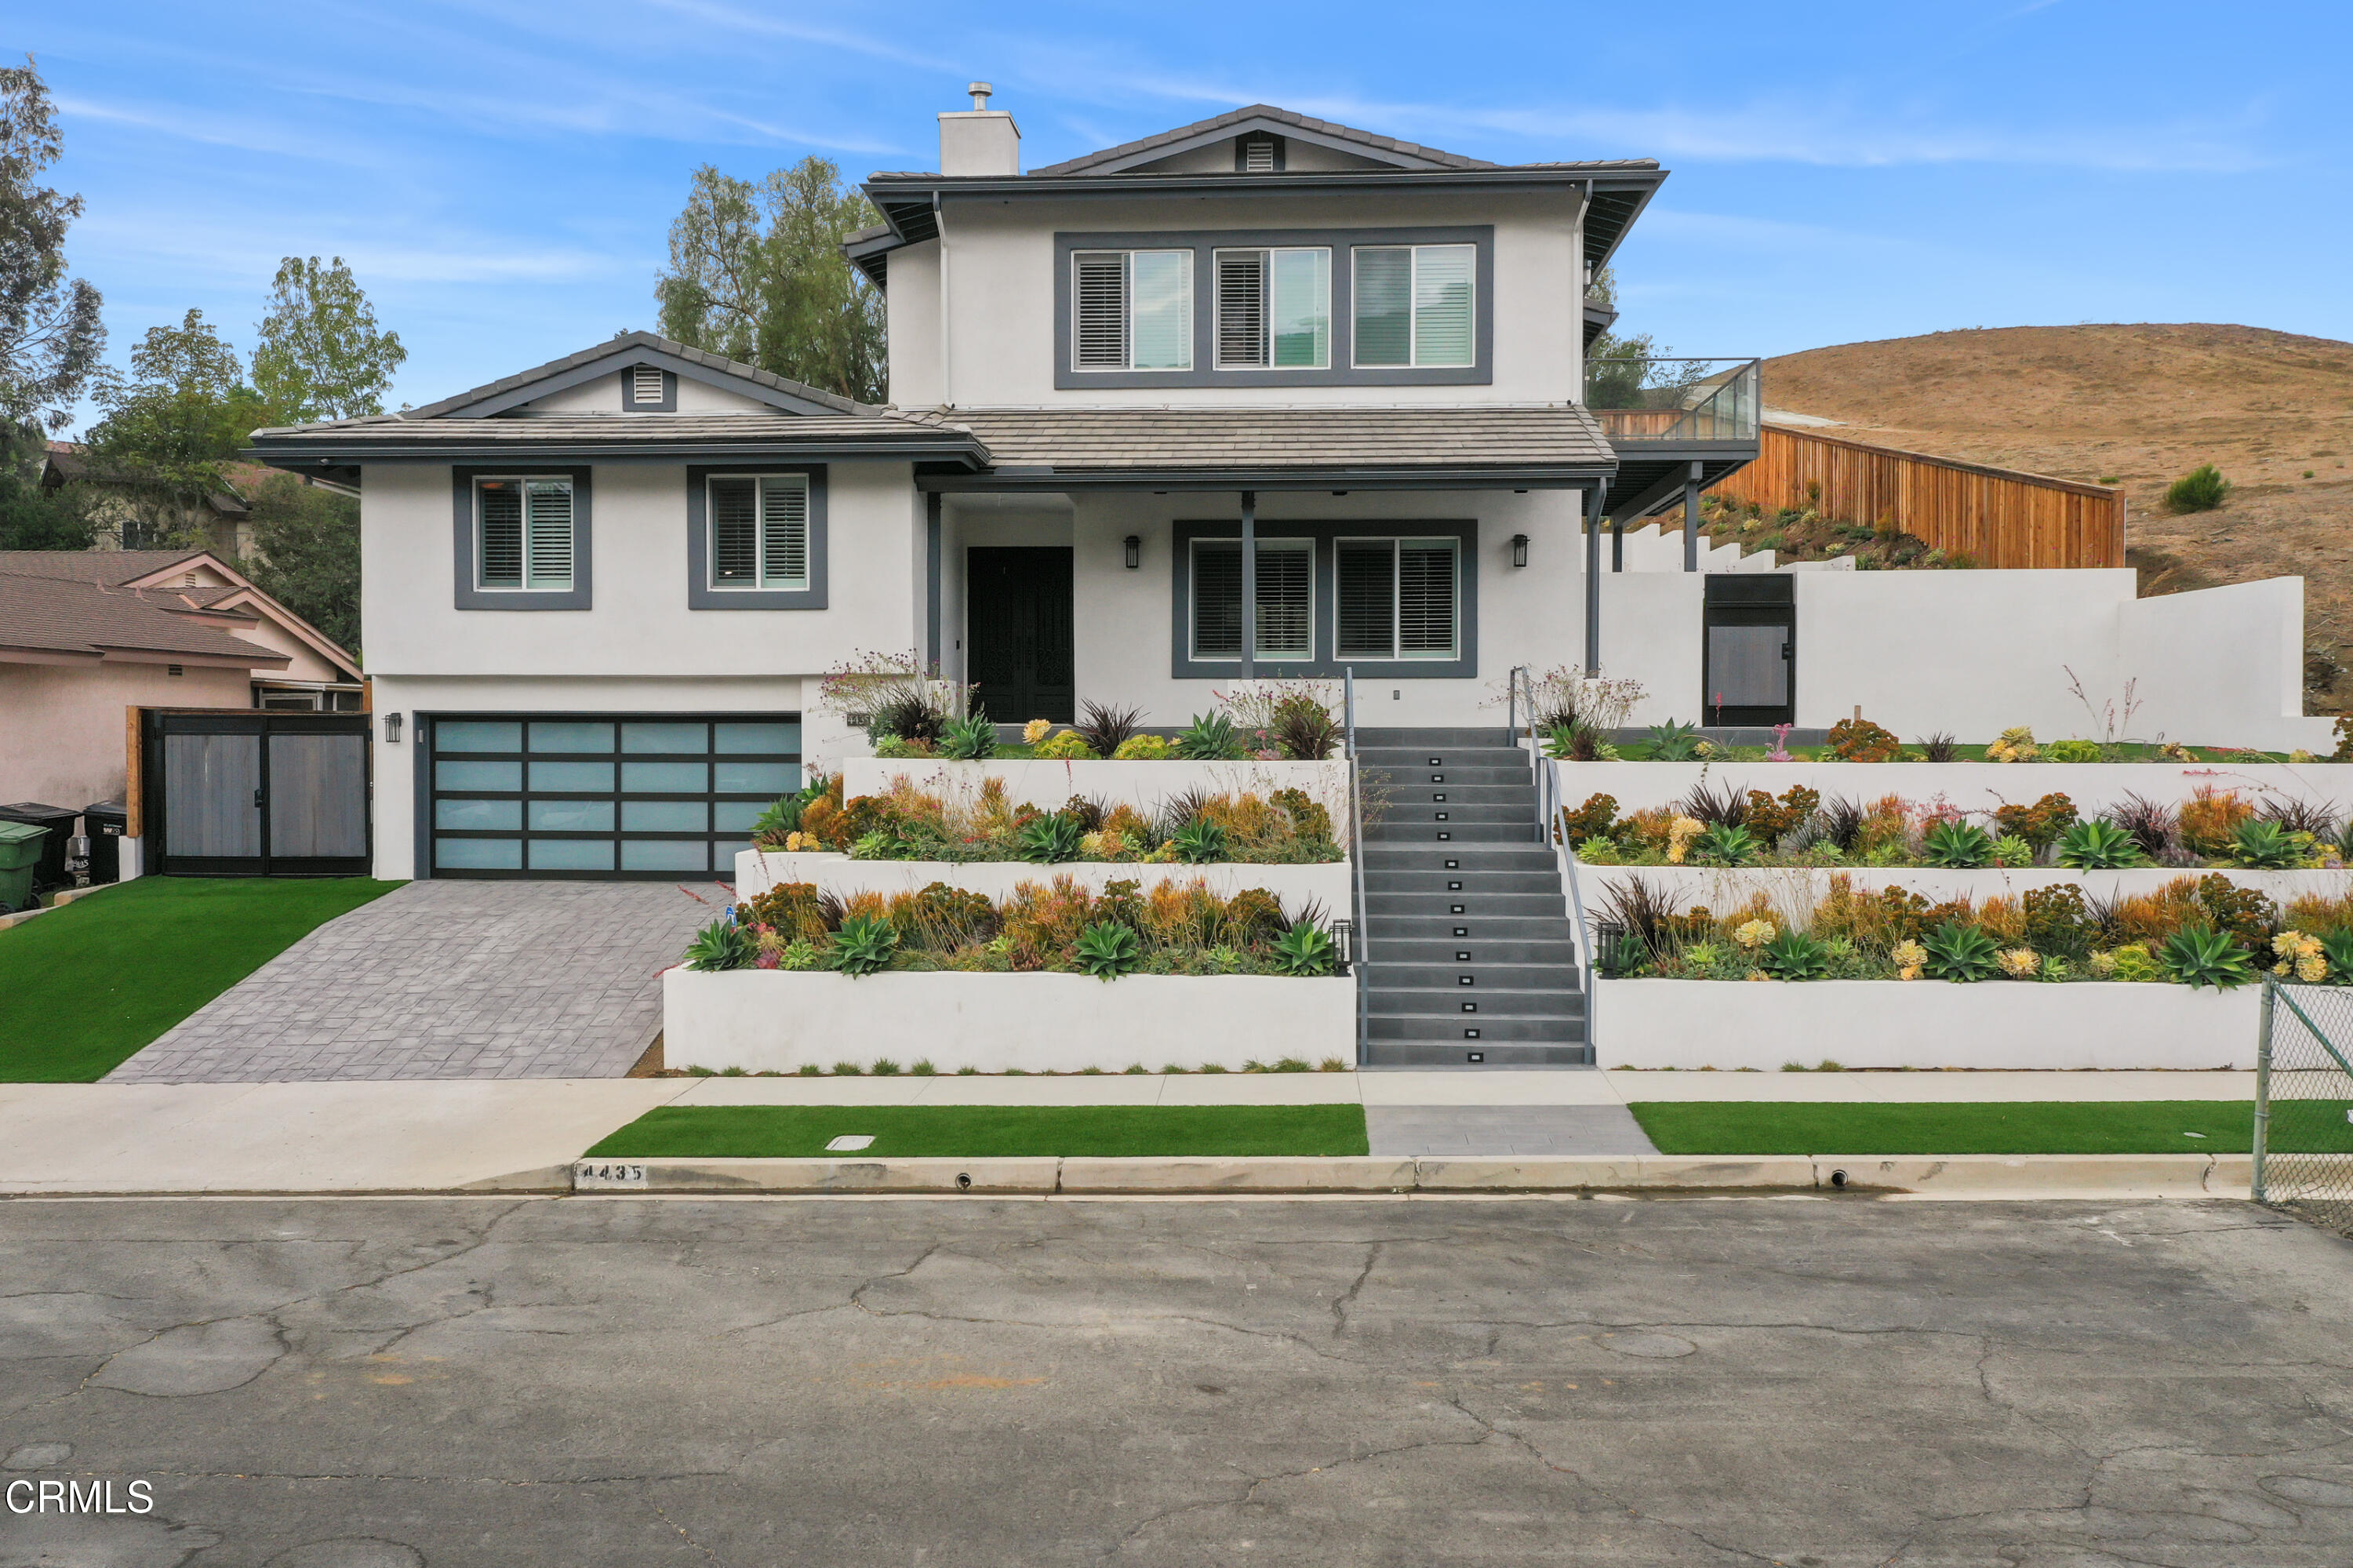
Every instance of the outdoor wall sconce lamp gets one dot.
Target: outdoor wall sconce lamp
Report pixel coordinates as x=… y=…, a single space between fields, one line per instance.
x=1519 y=549
x=392 y=729
x=1135 y=552
x=1343 y=939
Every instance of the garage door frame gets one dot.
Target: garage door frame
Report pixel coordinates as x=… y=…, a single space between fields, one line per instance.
x=429 y=795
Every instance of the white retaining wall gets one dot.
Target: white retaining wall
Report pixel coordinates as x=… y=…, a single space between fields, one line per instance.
x=1142 y=785
x=772 y=1020
x=1924 y=1024
x=1791 y=888
x=1976 y=787
x=756 y=870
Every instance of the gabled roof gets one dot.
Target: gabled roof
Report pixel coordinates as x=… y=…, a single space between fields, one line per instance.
x=630 y=348
x=85 y=622
x=113 y=567
x=143 y=577
x=876 y=434
x=1263 y=117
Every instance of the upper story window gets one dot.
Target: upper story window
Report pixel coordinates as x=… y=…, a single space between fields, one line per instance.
x=1274 y=309
x=759 y=532
x=1133 y=310
x=523 y=538
x=1416 y=305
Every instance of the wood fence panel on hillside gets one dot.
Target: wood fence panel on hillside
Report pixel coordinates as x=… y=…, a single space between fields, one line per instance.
x=1998 y=517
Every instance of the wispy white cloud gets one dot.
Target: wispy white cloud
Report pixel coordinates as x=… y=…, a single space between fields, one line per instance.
x=215 y=131
x=196 y=249
x=840 y=38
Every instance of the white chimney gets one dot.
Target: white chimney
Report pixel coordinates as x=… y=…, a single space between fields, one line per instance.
x=979 y=139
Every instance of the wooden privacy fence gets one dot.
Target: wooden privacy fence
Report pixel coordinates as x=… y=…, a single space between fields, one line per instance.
x=1997 y=517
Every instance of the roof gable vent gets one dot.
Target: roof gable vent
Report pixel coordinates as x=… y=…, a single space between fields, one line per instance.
x=1261 y=152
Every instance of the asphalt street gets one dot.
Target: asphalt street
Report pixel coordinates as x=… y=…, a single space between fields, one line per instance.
x=365 y=1383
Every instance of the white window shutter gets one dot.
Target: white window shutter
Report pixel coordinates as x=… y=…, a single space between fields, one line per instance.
x=783 y=533
x=1426 y=599
x=548 y=521
x=1242 y=309
x=501 y=566
x=735 y=534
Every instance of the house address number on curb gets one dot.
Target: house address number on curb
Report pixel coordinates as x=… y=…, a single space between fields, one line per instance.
x=605 y=1174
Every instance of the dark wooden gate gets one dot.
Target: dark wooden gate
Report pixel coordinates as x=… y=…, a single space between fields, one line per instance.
x=255 y=794
x=1018 y=619
x=1750 y=649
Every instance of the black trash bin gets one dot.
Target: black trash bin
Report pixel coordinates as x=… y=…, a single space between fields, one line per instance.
x=60 y=824
x=105 y=822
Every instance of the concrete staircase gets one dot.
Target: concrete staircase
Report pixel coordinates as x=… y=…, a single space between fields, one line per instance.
x=1470 y=960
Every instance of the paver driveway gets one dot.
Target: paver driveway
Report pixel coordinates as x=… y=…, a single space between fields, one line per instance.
x=449 y=979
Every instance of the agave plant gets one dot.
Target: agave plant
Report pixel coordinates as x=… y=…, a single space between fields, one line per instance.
x=1795 y=956
x=1108 y=949
x=721 y=945
x=1306 y=949
x=1211 y=737
x=1049 y=840
x=1961 y=952
x=1954 y=844
x=2010 y=850
x=2337 y=948
x=968 y=739
x=864 y=944
x=2263 y=843
x=1200 y=842
x=1721 y=843
x=1672 y=742
x=2199 y=954
x=2098 y=844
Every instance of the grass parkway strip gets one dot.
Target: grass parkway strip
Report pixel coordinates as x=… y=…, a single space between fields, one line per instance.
x=84 y=986
x=2033 y=1127
x=911 y=1132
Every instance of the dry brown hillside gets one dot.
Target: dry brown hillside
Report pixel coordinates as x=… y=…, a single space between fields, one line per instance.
x=2140 y=406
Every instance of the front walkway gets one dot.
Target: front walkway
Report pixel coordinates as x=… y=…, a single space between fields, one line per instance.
x=448 y=979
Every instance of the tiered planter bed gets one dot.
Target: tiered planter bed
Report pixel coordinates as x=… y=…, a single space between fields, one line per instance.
x=1143 y=784
x=756 y=870
x=2093 y=786
x=772 y=1020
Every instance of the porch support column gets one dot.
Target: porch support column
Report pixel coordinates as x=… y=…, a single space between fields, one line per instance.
x=1691 y=520
x=1249 y=583
x=1593 y=499
x=932 y=560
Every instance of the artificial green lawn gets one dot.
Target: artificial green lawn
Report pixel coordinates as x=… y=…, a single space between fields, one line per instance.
x=2100 y=1127
x=85 y=986
x=906 y=1133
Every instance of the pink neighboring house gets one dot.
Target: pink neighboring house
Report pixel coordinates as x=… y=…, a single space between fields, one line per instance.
x=87 y=635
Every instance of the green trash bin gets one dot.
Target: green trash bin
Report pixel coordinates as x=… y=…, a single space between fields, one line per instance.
x=21 y=844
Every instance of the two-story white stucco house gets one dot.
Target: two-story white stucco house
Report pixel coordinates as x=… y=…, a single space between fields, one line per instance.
x=1261 y=371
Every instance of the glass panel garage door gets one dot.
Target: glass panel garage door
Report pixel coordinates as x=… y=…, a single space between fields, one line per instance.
x=603 y=795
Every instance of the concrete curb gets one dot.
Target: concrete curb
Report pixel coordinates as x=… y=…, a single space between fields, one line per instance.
x=1961 y=1175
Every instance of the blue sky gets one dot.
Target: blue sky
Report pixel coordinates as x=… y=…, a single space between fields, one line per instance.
x=502 y=176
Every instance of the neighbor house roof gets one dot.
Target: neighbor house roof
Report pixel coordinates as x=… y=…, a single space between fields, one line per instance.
x=145 y=579
x=63 y=463
x=1227 y=445
x=74 y=621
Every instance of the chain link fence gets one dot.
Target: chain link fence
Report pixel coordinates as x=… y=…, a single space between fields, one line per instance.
x=2303 y=1104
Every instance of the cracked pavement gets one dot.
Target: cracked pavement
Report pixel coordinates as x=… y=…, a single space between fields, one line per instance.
x=1821 y=1383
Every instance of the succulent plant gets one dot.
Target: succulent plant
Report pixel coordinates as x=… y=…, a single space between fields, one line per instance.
x=1954 y=844
x=864 y=944
x=1961 y=952
x=1306 y=949
x=2199 y=954
x=2099 y=844
x=1107 y=950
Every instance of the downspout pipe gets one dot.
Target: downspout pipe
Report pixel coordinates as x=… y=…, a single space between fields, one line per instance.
x=1249 y=584
x=1594 y=500
x=947 y=363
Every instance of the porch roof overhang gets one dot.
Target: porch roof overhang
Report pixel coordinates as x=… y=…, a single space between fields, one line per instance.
x=1518 y=447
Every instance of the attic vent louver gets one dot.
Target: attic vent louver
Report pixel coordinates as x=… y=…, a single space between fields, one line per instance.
x=644 y=384
x=1258 y=155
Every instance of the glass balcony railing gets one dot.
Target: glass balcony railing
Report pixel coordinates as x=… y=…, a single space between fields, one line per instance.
x=1673 y=399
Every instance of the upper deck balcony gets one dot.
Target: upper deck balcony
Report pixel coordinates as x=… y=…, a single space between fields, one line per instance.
x=1671 y=420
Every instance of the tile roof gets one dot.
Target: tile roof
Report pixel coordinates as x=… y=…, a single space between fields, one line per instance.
x=113 y=567
x=59 y=615
x=619 y=345
x=1368 y=139
x=1111 y=441
x=884 y=431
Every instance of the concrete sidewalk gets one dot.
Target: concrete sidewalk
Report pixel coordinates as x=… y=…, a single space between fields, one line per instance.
x=448 y=1135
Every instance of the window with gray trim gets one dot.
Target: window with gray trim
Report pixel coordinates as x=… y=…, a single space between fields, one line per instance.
x=1438 y=311
x=1410 y=609
x=755 y=537
x=519 y=537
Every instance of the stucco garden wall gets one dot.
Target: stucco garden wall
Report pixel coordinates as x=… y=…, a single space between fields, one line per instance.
x=774 y=1021
x=1925 y=1023
x=63 y=735
x=1145 y=786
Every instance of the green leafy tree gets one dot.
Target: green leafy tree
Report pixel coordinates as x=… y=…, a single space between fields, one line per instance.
x=172 y=430
x=1615 y=374
x=50 y=333
x=320 y=355
x=306 y=554
x=32 y=518
x=756 y=273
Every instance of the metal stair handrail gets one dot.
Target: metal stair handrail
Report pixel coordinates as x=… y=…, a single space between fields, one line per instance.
x=1360 y=941
x=1547 y=777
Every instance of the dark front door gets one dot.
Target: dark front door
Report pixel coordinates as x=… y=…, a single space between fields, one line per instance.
x=1751 y=650
x=1017 y=619
x=258 y=794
